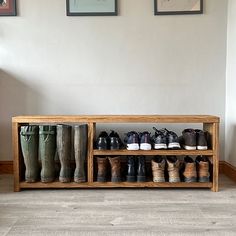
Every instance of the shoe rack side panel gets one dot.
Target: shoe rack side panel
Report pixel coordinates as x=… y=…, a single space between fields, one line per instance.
x=91 y=137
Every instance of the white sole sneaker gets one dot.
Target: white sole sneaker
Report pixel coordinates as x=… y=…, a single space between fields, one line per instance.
x=201 y=147
x=160 y=146
x=190 y=148
x=173 y=145
x=133 y=147
x=145 y=146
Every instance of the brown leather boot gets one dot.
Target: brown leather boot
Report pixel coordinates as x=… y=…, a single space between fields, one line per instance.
x=102 y=169
x=203 y=165
x=190 y=173
x=173 y=169
x=158 y=168
x=115 y=169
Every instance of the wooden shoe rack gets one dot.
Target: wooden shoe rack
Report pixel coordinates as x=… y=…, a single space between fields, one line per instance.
x=209 y=123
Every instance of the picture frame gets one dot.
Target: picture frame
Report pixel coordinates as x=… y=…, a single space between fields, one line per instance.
x=91 y=7
x=178 y=7
x=7 y=7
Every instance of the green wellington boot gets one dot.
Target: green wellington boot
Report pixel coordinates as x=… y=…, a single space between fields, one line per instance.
x=29 y=146
x=64 y=152
x=80 y=148
x=47 y=151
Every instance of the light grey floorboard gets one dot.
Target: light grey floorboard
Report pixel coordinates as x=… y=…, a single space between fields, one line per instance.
x=186 y=212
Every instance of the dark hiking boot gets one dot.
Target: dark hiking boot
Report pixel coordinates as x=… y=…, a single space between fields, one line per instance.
x=203 y=166
x=189 y=139
x=29 y=146
x=158 y=169
x=132 y=141
x=80 y=148
x=190 y=173
x=172 y=139
x=64 y=152
x=114 y=141
x=131 y=175
x=115 y=169
x=201 y=140
x=102 y=169
x=47 y=152
x=141 y=172
x=102 y=142
x=173 y=169
x=159 y=140
x=145 y=141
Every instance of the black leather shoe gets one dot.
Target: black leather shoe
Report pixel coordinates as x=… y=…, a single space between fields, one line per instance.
x=102 y=142
x=131 y=175
x=114 y=141
x=141 y=173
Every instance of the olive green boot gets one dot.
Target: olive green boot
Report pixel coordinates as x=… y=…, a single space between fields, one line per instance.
x=80 y=147
x=29 y=145
x=64 y=152
x=47 y=150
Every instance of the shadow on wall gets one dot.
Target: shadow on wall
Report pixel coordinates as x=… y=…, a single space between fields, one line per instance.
x=232 y=147
x=16 y=98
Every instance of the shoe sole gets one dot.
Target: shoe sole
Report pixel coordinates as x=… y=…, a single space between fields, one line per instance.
x=190 y=148
x=145 y=146
x=141 y=178
x=101 y=179
x=174 y=146
x=116 y=179
x=133 y=147
x=174 y=180
x=204 y=180
x=190 y=180
x=131 y=178
x=159 y=180
x=201 y=147
x=160 y=146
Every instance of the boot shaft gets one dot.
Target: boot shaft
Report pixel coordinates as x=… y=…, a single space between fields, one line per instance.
x=115 y=169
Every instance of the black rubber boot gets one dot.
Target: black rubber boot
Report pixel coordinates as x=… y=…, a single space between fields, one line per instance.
x=141 y=173
x=131 y=175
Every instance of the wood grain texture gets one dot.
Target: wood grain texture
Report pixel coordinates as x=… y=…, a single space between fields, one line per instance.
x=125 y=152
x=123 y=212
x=6 y=167
x=118 y=119
x=90 y=151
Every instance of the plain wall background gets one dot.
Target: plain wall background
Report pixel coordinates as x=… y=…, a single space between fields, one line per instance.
x=134 y=63
x=230 y=142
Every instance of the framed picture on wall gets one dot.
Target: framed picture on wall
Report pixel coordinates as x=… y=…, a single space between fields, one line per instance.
x=178 y=7
x=91 y=7
x=7 y=7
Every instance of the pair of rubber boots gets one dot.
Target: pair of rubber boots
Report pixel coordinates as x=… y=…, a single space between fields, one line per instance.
x=136 y=169
x=115 y=164
x=43 y=141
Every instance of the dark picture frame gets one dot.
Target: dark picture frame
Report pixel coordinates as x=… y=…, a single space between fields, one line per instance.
x=158 y=11
x=92 y=12
x=7 y=7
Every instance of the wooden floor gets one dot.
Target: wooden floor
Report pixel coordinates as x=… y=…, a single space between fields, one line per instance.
x=109 y=212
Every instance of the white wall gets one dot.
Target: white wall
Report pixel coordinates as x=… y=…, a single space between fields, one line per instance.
x=230 y=142
x=135 y=63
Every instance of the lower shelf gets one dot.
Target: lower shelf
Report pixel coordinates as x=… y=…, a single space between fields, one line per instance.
x=39 y=185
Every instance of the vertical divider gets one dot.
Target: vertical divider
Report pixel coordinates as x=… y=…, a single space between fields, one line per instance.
x=16 y=156
x=215 y=187
x=91 y=130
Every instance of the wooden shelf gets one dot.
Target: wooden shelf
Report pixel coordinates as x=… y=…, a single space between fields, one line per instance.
x=209 y=124
x=113 y=185
x=118 y=119
x=125 y=152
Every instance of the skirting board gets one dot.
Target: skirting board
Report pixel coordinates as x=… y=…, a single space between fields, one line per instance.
x=6 y=167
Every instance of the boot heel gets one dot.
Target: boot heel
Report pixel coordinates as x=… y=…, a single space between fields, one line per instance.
x=141 y=178
x=131 y=178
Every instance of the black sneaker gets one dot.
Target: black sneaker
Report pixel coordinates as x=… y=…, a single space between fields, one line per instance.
x=172 y=139
x=189 y=139
x=132 y=141
x=114 y=141
x=159 y=140
x=102 y=142
x=201 y=140
x=145 y=141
